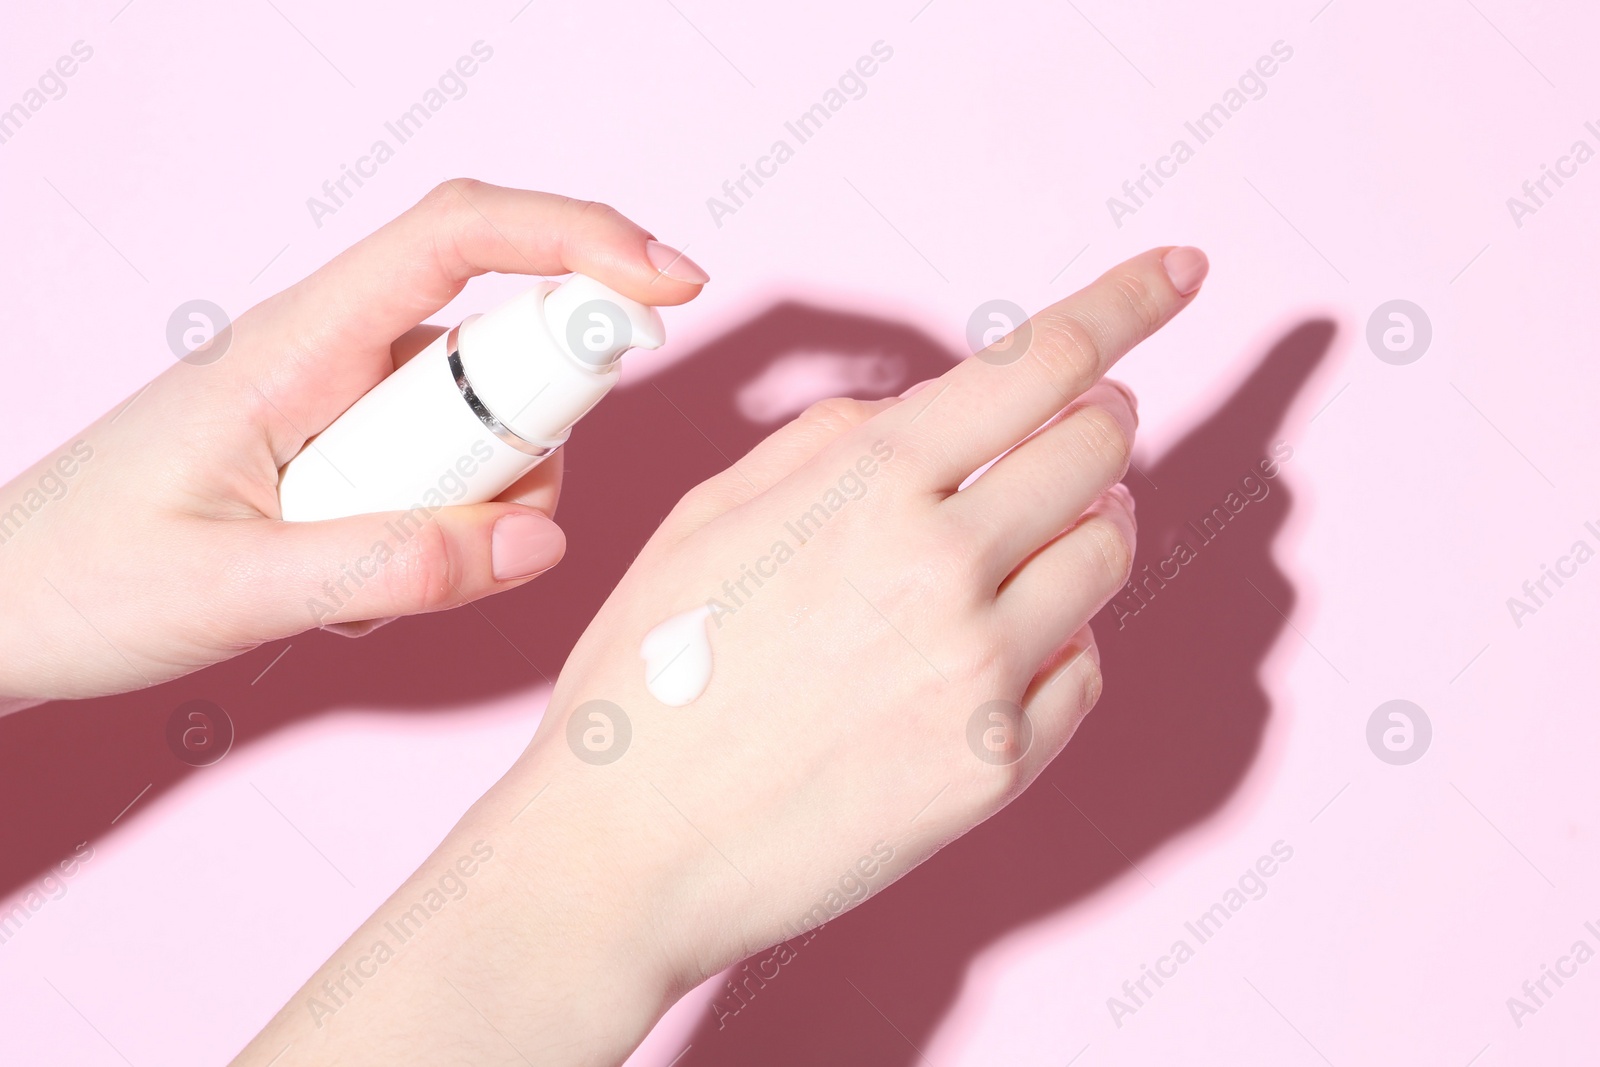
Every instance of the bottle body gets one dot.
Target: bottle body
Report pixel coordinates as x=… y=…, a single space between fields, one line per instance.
x=410 y=442
x=477 y=409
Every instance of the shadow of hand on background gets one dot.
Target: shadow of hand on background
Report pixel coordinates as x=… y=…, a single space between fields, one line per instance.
x=69 y=770
x=1175 y=734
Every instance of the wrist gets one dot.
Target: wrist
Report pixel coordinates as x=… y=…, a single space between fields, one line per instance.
x=607 y=879
x=524 y=937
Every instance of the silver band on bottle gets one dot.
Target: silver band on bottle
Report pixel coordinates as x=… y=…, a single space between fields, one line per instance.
x=495 y=426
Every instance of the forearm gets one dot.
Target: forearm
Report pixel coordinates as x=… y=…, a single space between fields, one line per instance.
x=510 y=944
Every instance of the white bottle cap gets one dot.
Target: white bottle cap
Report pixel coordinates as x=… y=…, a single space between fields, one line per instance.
x=541 y=360
x=596 y=324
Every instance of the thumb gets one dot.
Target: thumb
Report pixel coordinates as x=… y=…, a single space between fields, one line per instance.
x=369 y=567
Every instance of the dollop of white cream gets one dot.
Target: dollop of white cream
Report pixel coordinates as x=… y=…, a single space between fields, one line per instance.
x=677 y=658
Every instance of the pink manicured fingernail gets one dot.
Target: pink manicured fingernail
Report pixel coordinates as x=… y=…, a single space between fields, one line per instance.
x=913 y=390
x=524 y=545
x=1123 y=493
x=674 y=264
x=1186 y=267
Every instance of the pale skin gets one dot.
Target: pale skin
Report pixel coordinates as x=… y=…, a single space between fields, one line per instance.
x=575 y=902
x=177 y=505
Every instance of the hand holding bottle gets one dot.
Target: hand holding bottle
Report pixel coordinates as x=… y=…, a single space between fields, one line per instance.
x=167 y=552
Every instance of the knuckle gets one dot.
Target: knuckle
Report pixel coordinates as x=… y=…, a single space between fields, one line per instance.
x=996 y=786
x=928 y=572
x=706 y=499
x=597 y=212
x=238 y=586
x=1070 y=347
x=1139 y=301
x=986 y=665
x=1111 y=548
x=449 y=218
x=418 y=575
x=967 y=532
x=993 y=790
x=1093 y=683
x=448 y=193
x=835 y=414
x=700 y=496
x=1087 y=676
x=1104 y=439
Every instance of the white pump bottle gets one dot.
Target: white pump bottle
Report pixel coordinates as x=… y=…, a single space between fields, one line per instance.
x=474 y=411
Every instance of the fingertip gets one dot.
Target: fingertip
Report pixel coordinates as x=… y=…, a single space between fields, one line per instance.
x=1186 y=268
x=1091 y=647
x=671 y=263
x=1122 y=495
x=640 y=268
x=1116 y=506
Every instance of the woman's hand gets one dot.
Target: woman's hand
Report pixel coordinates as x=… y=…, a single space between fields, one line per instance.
x=872 y=629
x=893 y=661
x=150 y=545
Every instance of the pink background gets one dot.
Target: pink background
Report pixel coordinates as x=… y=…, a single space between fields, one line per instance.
x=977 y=165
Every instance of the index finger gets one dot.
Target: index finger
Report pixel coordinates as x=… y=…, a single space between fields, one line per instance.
x=988 y=403
x=330 y=333
x=413 y=266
